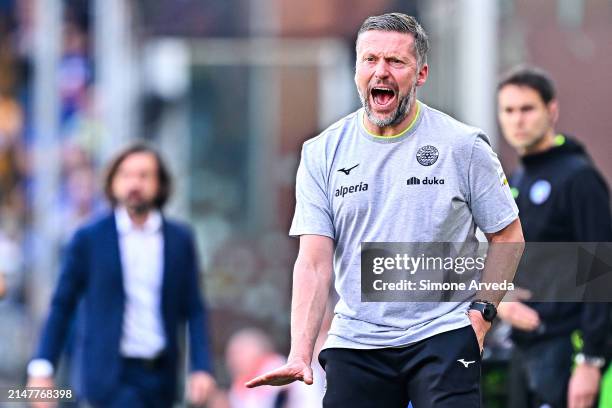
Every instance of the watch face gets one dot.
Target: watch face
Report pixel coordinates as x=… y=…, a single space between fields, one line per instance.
x=489 y=312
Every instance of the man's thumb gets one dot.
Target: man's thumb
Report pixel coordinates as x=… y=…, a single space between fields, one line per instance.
x=307 y=373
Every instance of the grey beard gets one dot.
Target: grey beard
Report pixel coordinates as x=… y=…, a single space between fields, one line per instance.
x=396 y=117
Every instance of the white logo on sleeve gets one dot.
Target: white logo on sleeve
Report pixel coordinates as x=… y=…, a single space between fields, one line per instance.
x=466 y=363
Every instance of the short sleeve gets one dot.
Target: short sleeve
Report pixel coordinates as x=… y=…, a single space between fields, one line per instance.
x=313 y=213
x=491 y=202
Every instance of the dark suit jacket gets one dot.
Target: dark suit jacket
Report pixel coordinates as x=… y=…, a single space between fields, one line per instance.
x=92 y=274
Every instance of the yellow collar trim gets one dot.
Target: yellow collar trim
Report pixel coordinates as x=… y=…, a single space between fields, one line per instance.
x=410 y=126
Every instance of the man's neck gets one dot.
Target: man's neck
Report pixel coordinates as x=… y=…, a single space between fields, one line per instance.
x=542 y=145
x=393 y=130
x=138 y=218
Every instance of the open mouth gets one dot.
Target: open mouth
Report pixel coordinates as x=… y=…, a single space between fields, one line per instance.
x=382 y=96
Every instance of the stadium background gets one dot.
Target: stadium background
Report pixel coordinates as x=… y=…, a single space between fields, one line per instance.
x=228 y=90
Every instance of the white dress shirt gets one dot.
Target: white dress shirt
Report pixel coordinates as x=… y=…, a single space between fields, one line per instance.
x=142 y=260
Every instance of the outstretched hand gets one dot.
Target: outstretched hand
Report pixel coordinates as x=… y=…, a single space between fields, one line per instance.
x=292 y=371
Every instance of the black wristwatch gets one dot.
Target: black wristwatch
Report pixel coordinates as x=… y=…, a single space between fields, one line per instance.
x=487 y=309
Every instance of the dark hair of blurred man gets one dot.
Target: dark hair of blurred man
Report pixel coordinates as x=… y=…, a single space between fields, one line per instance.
x=551 y=188
x=135 y=275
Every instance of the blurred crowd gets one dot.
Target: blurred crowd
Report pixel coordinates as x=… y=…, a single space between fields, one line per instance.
x=78 y=195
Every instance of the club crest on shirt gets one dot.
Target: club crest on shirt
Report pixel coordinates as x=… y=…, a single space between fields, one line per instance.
x=539 y=192
x=427 y=155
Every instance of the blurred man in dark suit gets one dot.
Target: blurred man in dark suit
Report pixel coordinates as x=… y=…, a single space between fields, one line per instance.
x=135 y=274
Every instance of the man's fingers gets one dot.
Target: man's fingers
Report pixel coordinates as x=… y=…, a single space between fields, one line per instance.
x=584 y=401
x=522 y=294
x=200 y=388
x=193 y=394
x=533 y=317
x=196 y=396
x=578 y=399
x=255 y=382
x=516 y=295
x=265 y=379
x=271 y=380
x=282 y=376
x=528 y=322
x=580 y=402
x=571 y=401
x=588 y=401
x=202 y=394
x=524 y=317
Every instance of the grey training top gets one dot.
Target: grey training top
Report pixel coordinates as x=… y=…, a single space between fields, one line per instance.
x=356 y=187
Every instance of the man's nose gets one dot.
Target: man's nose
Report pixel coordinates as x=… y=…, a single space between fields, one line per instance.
x=382 y=69
x=134 y=182
x=518 y=119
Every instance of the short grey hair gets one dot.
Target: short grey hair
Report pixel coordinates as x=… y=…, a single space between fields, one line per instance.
x=400 y=23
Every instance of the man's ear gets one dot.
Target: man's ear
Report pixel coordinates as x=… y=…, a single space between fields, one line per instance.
x=553 y=111
x=422 y=75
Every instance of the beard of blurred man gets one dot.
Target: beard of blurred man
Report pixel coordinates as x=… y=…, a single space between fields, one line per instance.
x=137 y=204
x=136 y=184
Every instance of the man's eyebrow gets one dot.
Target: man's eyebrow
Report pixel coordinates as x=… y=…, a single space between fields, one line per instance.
x=519 y=106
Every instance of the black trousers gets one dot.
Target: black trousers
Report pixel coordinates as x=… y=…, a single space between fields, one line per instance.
x=540 y=373
x=141 y=386
x=442 y=371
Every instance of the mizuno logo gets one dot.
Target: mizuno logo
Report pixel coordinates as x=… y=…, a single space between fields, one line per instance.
x=348 y=171
x=466 y=363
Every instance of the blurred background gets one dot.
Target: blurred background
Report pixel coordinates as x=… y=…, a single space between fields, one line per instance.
x=228 y=90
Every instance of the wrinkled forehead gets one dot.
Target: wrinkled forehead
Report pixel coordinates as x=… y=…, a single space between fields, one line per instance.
x=385 y=43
